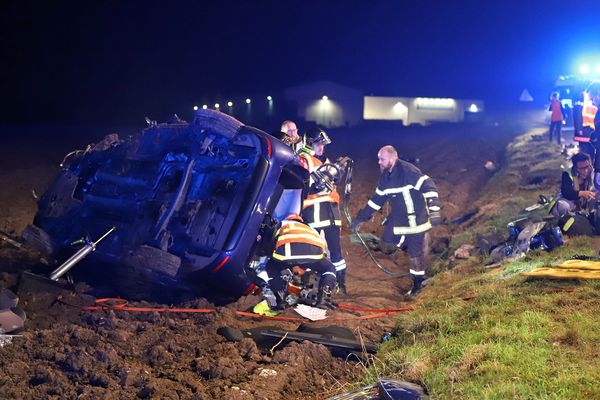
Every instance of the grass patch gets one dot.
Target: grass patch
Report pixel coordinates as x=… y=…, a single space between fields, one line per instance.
x=490 y=333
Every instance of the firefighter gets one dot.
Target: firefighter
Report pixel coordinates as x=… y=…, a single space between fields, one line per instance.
x=290 y=135
x=584 y=134
x=321 y=208
x=297 y=244
x=415 y=210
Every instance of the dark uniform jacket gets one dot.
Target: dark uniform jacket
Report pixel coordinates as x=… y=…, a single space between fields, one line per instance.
x=319 y=209
x=571 y=186
x=411 y=194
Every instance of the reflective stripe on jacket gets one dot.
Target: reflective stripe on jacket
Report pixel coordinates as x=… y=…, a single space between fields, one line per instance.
x=588 y=114
x=412 y=196
x=298 y=241
x=321 y=209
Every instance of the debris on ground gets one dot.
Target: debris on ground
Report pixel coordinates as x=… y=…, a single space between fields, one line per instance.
x=385 y=389
x=465 y=251
x=12 y=318
x=490 y=166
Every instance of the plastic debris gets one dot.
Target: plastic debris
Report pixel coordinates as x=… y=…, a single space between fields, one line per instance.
x=312 y=313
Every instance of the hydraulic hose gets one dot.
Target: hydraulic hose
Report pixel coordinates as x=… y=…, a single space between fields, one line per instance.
x=345 y=201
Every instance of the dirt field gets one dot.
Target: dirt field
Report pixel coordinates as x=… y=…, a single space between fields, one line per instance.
x=66 y=352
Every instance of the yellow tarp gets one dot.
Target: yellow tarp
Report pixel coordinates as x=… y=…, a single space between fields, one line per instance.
x=563 y=273
x=581 y=264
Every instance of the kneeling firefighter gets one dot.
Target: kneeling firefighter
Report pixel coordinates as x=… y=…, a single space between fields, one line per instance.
x=297 y=244
x=321 y=207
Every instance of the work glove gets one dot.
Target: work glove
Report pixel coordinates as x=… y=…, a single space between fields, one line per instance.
x=435 y=218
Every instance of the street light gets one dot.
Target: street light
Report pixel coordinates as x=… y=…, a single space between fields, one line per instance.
x=195 y=108
x=325 y=98
x=248 y=101
x=229 y=104
x=217 y=106
x=204 y=107
x=269 y=98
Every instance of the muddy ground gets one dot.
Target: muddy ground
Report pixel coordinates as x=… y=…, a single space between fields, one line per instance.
x=66 y=352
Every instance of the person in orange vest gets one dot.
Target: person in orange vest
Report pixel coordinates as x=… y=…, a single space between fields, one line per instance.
x=297 y=244
x=557 y=117
x=593 y=123
x=321 y=208
x=588 y=116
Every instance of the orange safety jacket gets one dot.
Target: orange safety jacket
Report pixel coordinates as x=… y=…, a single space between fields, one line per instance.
x=588 y=113
x=312 y=163
x=296 y=241
x=319 y=210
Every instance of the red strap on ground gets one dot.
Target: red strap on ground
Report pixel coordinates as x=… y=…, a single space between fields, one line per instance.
x=117 y=304
x=122 y=305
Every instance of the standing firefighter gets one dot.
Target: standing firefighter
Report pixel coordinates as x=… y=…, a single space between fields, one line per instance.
x=321 y=208
x=297 y=244
x=415 y=209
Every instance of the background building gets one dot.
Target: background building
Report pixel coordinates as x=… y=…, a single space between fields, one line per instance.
x=326 y=103
x=420 y=110
x=330 y=105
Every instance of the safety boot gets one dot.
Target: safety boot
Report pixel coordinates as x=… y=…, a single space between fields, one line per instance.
x=417 y=281
x=324 y=298
x=341 y=281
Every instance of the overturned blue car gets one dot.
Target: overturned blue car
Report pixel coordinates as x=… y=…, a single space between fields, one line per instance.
x=190 y=203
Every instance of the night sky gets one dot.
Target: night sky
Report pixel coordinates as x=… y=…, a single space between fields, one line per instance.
x=118 y=60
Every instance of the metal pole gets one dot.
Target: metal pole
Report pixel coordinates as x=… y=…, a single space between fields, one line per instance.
x=78 y=256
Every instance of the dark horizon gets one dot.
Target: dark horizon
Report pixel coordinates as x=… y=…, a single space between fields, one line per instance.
x=119 y=62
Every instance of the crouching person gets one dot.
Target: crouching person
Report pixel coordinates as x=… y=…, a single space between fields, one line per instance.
x=575 y=205
x=296 y=243
x=577 y=188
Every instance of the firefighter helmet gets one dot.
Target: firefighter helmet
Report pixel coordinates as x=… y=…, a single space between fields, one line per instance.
x=316 y=135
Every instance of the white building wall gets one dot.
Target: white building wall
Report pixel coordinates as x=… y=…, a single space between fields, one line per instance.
x=419 y=110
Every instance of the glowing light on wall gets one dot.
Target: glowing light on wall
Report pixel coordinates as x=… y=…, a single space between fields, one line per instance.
x=204 y=107
x=324 y=98
x=269 y=98
x=473 y=108
x=248 y=101
x=217 y=106
x=195 y=108
x=429 y=103
x=399 y=108
x=229 y=104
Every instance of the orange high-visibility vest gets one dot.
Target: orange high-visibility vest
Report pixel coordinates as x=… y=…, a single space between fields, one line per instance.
x=298 y=241
x=312 y=164
x=588 y=114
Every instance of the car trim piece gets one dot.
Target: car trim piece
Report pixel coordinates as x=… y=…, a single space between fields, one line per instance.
x=223 y=261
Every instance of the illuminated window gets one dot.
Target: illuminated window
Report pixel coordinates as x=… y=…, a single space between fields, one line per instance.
x=431 y=103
